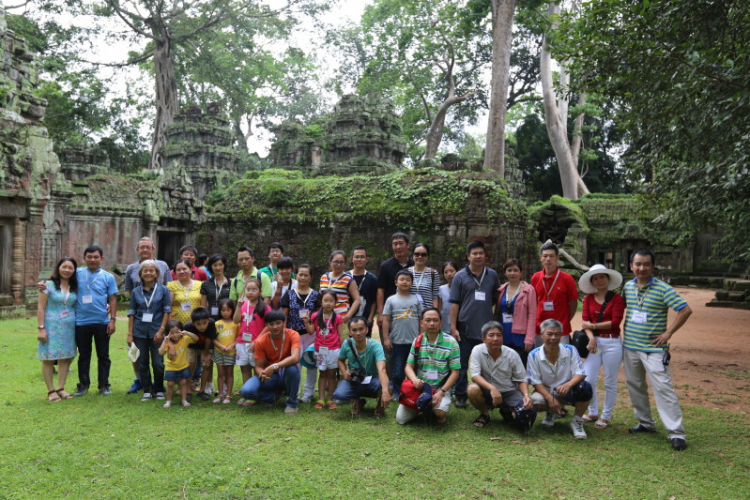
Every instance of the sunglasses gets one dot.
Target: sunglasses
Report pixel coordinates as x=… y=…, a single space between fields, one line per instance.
x=419 y=254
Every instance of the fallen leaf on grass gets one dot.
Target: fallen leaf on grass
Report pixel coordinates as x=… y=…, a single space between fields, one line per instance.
x=367 y=453
x=496 y=439
x=308 y=470
x=287 y=439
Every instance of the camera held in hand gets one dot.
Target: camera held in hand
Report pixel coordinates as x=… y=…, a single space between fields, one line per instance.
x=357 y=375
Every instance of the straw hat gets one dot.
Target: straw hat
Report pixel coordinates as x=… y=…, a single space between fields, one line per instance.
x=584 y=283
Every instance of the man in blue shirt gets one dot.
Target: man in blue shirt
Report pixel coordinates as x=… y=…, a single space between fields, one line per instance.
x=473 y=295
x=96 y=289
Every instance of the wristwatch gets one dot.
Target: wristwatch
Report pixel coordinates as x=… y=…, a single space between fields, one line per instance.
x=275 y=367
x=40 y=327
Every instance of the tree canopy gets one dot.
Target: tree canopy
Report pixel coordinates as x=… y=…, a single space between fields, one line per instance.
x=679 y=71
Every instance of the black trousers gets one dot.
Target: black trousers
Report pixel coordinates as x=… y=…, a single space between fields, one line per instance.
x=84 y=336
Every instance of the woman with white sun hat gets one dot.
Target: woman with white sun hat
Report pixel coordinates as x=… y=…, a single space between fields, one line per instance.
x=603 y=310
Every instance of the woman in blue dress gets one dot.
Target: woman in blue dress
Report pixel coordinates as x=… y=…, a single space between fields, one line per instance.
x=57 y=322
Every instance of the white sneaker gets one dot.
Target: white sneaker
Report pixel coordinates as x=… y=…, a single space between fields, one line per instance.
x=306 y=399
x=210 y=388
x=577 y=426
x=159 y=395
x=146 y=396
x=290 y=411
x=167 y=404
x=549 y=419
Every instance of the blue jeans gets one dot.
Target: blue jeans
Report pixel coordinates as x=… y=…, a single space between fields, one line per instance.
x=346 y=391
x=286 y=379
x=149 y=349
x=399 y=353
x=466 y=345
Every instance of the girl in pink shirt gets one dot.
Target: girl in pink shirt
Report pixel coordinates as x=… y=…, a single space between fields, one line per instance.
x=329 y=334
x=250 y=315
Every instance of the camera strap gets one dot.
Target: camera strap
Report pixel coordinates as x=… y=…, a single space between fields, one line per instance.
x=353 y=347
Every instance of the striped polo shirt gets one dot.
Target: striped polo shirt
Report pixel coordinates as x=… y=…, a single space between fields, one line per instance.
x=438 y=358
x=654 y=299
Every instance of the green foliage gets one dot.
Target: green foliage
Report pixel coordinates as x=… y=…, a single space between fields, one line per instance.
x=679 y=73
x=409 y=197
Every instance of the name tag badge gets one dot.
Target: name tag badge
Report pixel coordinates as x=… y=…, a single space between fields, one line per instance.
x=323 y=351
x=214 y=311
x=507 y=318
x=64 y=313
x=247 y=337
x=478 y=295
x=639 y=317
x=431 y=374
x=87 y=299
x=303 y=313
x=148 y=317
x=185 y=306
x=548 y=305
x=366 y=380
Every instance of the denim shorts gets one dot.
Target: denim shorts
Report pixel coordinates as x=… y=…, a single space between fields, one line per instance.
x=176 y=376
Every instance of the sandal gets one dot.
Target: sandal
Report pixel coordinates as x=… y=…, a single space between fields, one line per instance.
x=218 y=399
x=356 y=408
x=320 y=405
x=332 y=406
x=482 y=421
x=63 y=394
x=227 y=400
x=601 y=423
x=53 y=396
x=588 y=418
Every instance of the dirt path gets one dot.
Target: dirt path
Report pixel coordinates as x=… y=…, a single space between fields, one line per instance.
x=710 y=355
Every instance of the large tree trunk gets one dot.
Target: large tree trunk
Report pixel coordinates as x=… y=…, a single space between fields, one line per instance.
x=556 y=120
x=502 y=38
x=435 y=132
x=166 y=96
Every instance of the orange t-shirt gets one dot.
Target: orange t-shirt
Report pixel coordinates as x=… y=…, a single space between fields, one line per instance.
x=272 y=351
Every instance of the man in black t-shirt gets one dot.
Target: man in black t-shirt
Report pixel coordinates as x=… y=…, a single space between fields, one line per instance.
x=367 y=284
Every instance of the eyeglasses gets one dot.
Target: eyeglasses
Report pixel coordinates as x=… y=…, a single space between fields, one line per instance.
x=419 y=254
x=338 y=262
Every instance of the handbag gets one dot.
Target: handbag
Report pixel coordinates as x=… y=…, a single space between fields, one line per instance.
x=579 y=337
x=418 y=399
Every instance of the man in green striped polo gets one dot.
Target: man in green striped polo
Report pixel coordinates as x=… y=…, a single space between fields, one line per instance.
x=646 y=342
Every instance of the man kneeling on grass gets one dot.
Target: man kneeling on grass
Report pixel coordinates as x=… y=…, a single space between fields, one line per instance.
x=556 y=372
x=366 y=376
x=432 y=367
x=277 y=353
x=497 y=374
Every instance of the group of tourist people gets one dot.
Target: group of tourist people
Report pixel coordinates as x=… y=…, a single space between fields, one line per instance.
x=470 y=340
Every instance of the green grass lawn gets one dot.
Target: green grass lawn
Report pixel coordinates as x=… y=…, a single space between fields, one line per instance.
x=118 y=447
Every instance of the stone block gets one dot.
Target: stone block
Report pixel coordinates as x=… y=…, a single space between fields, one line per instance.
x=737 y=296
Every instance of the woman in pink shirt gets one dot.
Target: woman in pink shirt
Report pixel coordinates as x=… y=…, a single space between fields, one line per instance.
x=516 y=310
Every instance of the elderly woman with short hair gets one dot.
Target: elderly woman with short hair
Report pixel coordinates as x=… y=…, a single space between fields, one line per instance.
x=150 y=308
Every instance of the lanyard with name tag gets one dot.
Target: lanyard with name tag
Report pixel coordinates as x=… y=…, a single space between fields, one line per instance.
x=640 y=317
x=548 y=305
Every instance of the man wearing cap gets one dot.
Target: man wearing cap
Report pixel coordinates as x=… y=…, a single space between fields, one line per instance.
x=603 y=311
x=556 y=372
x=556 y=292
x=499 y=381
x=646 y=348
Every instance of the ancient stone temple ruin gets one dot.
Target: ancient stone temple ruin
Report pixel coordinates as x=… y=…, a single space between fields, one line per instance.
x=335 y=184
x=361 y=136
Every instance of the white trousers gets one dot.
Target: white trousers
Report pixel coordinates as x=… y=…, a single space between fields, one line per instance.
x=638 y=364
x=609 y=355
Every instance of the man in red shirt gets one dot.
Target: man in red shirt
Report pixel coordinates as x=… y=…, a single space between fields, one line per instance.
x=277 y=353
x=556 y=293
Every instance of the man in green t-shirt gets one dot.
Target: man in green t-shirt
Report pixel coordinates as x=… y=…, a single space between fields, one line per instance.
x=365 y=375
x=436 y=361
x=246 y=262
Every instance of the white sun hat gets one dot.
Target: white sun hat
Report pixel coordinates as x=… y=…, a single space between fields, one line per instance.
x=584 y=283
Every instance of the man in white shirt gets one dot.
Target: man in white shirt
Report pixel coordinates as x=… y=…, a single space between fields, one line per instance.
x=556 y=372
